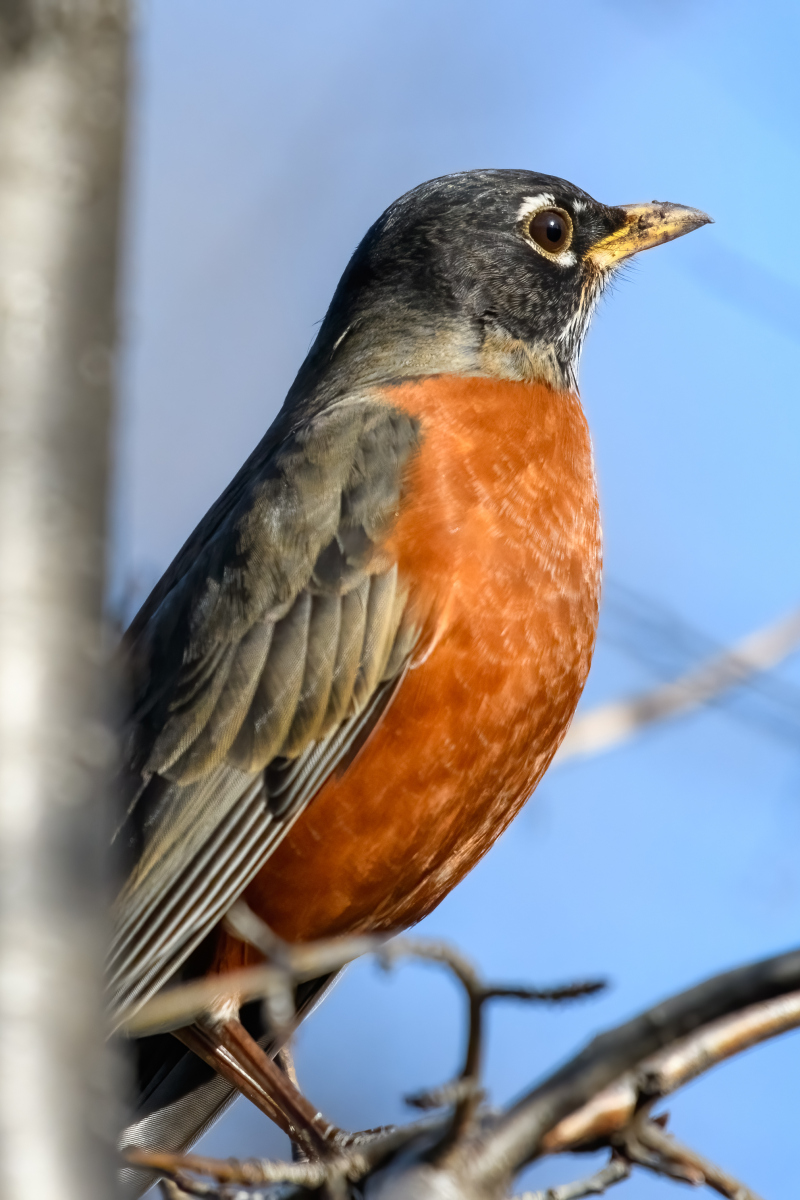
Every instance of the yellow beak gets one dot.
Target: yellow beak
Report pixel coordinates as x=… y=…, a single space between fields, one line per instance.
x=645 y=225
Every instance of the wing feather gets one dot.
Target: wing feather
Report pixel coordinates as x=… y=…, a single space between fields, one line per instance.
x=323 y=638
x=381 y=627
x=177 y=859
x=348 y=654
x=191 y=715
x=215 y=738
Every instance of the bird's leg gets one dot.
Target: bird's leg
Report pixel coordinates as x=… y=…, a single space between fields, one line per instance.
x=284 y=1059
x=225 y=1045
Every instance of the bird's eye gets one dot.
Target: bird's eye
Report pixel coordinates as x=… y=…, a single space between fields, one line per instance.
x=551 y=229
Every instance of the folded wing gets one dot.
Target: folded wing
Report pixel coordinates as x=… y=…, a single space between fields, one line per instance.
x=258 y=666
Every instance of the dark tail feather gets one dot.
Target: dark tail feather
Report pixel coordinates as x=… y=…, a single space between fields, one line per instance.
x=179 y=1097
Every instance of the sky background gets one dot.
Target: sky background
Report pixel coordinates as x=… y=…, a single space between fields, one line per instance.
x=267 y=138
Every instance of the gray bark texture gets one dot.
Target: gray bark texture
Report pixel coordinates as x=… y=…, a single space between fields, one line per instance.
x=62 y=117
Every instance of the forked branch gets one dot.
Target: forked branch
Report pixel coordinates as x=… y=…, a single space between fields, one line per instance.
x=520 y=1134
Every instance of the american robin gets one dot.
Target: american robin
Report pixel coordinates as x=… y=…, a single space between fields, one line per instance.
x=360 y=664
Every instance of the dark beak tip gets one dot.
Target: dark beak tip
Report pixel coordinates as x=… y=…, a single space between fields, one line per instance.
x=695 y=215
x=695 y=218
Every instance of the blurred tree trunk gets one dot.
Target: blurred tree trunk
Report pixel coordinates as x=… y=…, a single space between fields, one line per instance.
x=62 y=108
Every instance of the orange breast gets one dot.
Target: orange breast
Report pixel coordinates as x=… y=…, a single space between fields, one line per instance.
x=499 y=542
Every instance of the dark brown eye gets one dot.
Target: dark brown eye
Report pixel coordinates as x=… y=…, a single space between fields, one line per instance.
x=551 y=229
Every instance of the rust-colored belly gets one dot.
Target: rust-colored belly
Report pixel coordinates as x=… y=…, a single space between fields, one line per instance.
x=498 y=540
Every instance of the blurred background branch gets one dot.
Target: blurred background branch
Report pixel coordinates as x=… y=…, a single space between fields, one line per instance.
x=62 y=120
x=610 y=725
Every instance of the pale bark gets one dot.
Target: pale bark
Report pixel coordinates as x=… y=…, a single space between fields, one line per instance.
x=62 y=104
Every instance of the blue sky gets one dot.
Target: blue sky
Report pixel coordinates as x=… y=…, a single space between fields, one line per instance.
x=267 y=138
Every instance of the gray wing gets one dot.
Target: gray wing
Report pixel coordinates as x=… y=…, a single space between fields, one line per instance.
x=261 y=662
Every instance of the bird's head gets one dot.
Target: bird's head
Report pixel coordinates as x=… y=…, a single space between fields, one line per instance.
x=485 y=272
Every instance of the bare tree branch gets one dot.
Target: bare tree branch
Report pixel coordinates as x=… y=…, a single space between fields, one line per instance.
x=62 y=105
x=611 y=725
x=619 y=1076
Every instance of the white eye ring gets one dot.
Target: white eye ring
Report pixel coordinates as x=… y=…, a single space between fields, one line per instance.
x=533 y=207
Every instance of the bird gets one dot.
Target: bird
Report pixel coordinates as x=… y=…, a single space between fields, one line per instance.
x=360 y=664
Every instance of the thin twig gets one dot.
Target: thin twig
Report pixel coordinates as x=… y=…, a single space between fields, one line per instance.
x=454 y=1092
x=172 y=1191
x=248 y=1173
x=367 y=1151
x=593 y=1185
x=465 y=1092
x=273 y=981
x=649 y=1146
x=178 y=1006
x=305 y=960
